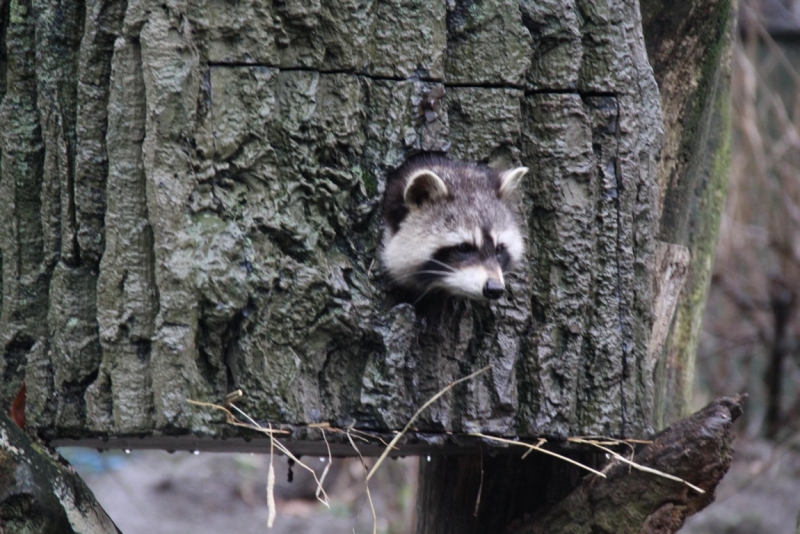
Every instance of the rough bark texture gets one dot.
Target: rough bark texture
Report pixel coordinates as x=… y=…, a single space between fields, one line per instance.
x=697 y=449
x=41 y=493
x=193 y=207
x=191 y=192
x=689 y=45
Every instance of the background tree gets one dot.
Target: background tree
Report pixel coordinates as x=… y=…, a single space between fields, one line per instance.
x=193 y=192
x=753 y=319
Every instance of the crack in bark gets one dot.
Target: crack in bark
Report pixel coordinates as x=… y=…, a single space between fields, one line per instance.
x=520 y=87
x=621 y=314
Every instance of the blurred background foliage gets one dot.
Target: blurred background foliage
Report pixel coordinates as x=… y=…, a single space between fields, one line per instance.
x=751 y=328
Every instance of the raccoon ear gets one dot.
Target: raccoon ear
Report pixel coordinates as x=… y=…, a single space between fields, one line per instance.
x=509 y=181
x=423 y=185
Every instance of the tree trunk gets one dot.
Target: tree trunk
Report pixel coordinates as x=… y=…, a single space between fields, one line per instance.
x=193 y=192
x=694 y=82
x=195 y=210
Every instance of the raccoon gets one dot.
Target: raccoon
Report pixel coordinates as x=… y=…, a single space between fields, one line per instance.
x=450 y=227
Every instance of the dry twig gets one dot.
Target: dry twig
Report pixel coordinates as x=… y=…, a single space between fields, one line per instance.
x=635 y=465
x=418 y=412
x=271 y=484
x=537 y=447
x=366 y=484
x=253 y=425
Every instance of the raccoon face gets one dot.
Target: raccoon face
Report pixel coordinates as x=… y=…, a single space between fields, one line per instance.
x=450 y=227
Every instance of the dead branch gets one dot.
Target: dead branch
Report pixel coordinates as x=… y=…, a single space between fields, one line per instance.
x=40 y=492
x=697 y=449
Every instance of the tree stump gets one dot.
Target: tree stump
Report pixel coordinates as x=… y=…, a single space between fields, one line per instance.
x=195 y=209
x=192 y=207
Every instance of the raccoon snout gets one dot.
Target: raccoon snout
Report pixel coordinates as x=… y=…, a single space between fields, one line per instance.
x=493 y=289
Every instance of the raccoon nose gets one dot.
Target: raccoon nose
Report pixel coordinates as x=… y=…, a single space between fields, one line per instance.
x=493 y=289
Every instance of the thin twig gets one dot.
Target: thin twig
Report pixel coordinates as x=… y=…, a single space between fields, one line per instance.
x=538 y=448
x=357 y=431
x=418 y=412
x=638 y=466
x=327 y=465
x=258 y=428
x=612 y=442
x=252 y=421
x=480 y=490
x=271 y=483
x=231 y=419
x=366 y=484
x=538 y=445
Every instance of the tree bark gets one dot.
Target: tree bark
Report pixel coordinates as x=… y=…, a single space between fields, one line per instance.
x=193 y=196
x=694 y=83
x=195 y=189
x=459 y=495
x=698 y=449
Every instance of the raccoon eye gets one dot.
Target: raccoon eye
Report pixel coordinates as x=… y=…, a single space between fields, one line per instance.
x=503 y=258
x=465 y=248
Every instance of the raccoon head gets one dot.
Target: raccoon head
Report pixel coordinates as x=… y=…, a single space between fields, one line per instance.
x=451 y=227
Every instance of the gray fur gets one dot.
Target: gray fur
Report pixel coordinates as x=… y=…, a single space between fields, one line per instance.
x=431 y=206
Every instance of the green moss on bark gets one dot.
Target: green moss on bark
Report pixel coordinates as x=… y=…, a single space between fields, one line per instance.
x=693 y=173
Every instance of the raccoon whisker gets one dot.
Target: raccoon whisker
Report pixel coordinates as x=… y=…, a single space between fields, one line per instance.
x=422 y=295
x=448 y=267
x=417 y=273
x=430 y=271
x=428 y=289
